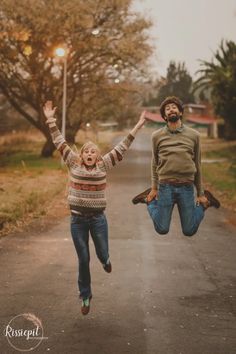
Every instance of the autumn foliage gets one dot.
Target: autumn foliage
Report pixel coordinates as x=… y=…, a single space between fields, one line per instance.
x=107 y=51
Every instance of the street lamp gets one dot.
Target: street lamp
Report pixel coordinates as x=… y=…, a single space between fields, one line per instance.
x=95 y=31
x=62 y=53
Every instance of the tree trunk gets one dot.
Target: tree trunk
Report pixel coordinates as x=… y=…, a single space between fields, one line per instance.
x=230 y=130
x=70 y=135
x=48 y=148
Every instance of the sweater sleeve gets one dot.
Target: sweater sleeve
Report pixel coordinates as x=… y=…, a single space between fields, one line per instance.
x=154 y=163
x=68 y=155
x=110 y=159
x=198 y=175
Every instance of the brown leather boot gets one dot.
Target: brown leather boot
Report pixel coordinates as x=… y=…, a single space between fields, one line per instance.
x=107 y=267
x=85 y=306
x=141 y=198
x=211 y=199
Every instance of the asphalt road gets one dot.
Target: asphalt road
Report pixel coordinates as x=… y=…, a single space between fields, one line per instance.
x=166 y=295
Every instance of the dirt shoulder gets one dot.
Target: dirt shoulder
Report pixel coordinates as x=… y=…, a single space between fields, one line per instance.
x=33 y=190
x=30 y=198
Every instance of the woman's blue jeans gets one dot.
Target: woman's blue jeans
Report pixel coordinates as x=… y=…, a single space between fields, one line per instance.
x=81 y=226
x=161 y=209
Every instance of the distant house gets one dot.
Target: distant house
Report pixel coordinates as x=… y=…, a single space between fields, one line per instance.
x=108 y=125
x=196 y=114
x=198 y=109
x=201 y=115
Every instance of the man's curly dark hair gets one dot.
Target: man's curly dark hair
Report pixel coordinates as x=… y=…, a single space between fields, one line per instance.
x=168 y=100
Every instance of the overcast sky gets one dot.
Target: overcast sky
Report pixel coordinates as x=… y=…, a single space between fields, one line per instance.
x=188 y=30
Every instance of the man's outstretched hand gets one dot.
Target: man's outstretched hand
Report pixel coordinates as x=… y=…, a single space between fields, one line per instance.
x=152 y=195
x=202 y=200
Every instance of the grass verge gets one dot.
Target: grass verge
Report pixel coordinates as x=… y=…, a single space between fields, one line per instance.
x=27 y=195
x=30 y=184
x=221 y=174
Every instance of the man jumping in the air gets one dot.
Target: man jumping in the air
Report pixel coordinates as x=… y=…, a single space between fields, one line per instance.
x=176 y=169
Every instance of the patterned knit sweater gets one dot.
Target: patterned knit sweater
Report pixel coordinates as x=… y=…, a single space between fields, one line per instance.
x=87 y=187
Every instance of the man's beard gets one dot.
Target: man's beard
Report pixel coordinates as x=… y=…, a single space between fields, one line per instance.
x=173 y=119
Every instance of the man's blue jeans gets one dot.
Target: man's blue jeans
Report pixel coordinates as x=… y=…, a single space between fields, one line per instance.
x=160 y=209
x=81 y=226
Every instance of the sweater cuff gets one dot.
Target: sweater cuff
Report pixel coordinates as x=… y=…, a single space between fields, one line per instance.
x=51 y=120
x=154 y=185
x=200 y=193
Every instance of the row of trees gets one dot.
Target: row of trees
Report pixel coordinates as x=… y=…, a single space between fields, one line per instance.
x=217 y=82
x=178 y=82
x=107 y=49
x=220 y=77
x=107 y=56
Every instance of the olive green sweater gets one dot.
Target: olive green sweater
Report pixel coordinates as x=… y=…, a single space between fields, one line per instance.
x=176 y=155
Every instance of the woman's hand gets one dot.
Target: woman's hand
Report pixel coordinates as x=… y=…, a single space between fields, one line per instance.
x=48 y=110
x=142 y=120
x=140 y=123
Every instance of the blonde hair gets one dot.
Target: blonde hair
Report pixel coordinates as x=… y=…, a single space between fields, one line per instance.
x=87 y=145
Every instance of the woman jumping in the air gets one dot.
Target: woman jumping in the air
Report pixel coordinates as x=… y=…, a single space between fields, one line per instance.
x=86 y=197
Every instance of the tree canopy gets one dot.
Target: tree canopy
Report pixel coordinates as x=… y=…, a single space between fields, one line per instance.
x=178 y=82
x=107 y=48
x=219 y=76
